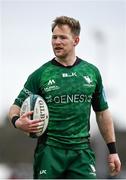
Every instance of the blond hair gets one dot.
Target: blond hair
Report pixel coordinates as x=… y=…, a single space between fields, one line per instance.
x=73 y=24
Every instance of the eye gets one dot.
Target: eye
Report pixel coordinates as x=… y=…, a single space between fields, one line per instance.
x=63 y=37
x=54 y=37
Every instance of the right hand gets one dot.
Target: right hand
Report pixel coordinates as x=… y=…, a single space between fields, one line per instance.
x=27 y=125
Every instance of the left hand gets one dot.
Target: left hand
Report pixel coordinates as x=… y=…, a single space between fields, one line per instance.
x=114 y=164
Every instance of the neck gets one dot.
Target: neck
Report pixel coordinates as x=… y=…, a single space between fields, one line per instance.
x=69 y=61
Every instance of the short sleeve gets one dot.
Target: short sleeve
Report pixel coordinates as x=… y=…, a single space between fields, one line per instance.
x=99 y=100
x=31 y=86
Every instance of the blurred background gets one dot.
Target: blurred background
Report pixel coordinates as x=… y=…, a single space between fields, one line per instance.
x=25 y=35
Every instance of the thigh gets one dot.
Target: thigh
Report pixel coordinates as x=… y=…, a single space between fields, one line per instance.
x=83 y=167
x=49 y=163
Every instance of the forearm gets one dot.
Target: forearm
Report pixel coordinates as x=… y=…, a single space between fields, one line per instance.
x=106 y=127
x=14 y=111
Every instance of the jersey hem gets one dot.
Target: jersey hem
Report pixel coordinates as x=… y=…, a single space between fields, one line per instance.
x=68 y=146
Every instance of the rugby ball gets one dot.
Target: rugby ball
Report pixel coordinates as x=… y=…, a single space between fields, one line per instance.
x=39 y=107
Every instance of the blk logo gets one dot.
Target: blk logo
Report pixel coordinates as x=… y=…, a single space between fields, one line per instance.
x=65 y=75
x=43 y=171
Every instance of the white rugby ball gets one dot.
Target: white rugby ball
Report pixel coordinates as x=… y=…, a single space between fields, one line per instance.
x=39 y=107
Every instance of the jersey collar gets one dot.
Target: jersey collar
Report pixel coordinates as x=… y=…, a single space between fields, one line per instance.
x=56 y=63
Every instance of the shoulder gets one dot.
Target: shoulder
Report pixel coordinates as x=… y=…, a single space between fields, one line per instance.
x=36 y=75
x=43 y=66
x=41 y=69
x=89 y=65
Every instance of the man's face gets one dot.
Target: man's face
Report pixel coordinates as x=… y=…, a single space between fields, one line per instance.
x=63 y=41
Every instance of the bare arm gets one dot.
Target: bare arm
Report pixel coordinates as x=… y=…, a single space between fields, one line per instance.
x=105 y=124
x=14 y=111
x=106 y=127
x=23 y=122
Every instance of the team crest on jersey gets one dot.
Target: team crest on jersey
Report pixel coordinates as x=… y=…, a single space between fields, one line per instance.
x=87 y=79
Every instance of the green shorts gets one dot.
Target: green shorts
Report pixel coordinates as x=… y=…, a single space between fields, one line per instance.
x=54 y=163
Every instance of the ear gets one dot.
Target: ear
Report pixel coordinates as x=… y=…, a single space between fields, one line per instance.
x=76 y=40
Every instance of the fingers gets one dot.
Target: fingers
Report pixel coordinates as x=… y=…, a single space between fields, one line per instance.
x=35 y=126
x=28 y=125
x=27 y=114
x=112 y=169
x=36 y=131
x=35 y=122
x=114 y=164
x=32 y=121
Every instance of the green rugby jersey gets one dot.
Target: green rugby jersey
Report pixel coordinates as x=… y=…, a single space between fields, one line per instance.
x=69 y=92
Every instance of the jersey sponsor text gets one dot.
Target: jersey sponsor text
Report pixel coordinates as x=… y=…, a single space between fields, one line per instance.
x=73 y=98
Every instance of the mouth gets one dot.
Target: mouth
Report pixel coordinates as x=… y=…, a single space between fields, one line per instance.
x=58 y=48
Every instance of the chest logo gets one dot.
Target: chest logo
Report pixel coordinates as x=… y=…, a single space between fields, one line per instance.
x=66 y=75
x=51 y=82
x=51 y=86
x=87 y=79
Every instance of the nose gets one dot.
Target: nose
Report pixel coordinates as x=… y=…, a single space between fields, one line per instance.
x=57 y=40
